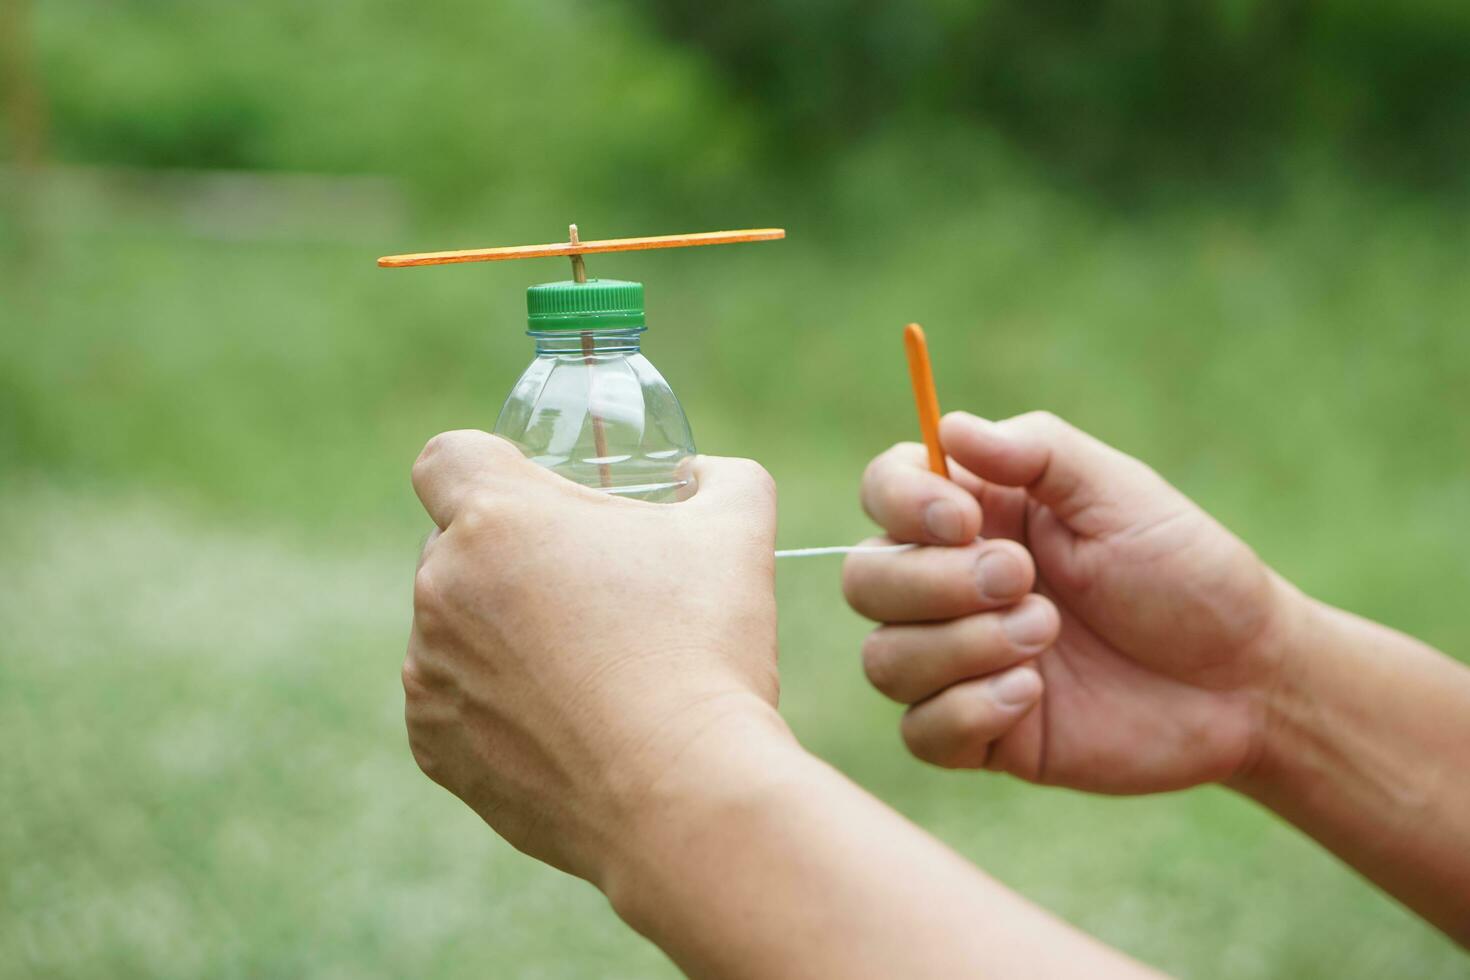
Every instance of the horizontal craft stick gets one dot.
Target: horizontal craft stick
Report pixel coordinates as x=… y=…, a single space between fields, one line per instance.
x=581 y=248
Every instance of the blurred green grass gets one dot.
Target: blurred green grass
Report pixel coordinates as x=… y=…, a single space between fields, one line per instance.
x=209 y=536
x=209 y=399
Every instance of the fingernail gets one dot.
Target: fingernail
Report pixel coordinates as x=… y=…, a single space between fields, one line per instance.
x=1001 y=575
x=1015 y=688
x=943 y=520
x=1029 y=625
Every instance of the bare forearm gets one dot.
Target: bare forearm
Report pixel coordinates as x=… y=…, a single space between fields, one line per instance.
x=1368 y=751
x=758 y=860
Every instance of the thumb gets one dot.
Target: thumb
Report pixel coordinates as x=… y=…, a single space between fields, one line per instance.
x=1091 y=487
x=730 y=483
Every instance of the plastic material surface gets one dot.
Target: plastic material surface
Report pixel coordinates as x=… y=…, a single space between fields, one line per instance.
x=592 y=408
x=582 y=305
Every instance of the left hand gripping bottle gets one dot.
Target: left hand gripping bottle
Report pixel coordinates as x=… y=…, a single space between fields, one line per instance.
x=591 y=407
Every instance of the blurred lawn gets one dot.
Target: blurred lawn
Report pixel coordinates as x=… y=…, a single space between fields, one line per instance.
x=209 y=400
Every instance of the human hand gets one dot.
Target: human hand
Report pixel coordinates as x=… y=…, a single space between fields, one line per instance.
x=1144 y=658
x=569 y=648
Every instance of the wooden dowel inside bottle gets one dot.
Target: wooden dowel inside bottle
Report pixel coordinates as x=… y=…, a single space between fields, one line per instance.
x=599 y=430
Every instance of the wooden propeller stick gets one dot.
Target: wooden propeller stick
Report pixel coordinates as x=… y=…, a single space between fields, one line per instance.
x=579 y=248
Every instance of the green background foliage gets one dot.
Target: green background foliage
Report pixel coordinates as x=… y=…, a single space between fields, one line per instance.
x=1229 y=237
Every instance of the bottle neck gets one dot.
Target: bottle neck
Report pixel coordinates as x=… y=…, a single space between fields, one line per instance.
x=598 y=340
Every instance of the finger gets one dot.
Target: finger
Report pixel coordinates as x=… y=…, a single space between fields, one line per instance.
x=1092 y=487
x=956 y=728
x=913 y=504
x=937 y=583
x=731 y=482
x=455 y=465
x=911 y=663
x=736 y=491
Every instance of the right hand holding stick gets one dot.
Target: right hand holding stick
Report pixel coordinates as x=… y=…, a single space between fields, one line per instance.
x=1142 y=661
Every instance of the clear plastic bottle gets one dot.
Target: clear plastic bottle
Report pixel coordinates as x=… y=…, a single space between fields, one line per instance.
x=591 y=407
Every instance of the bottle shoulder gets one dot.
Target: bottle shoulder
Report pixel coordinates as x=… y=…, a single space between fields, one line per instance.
x=593 y=408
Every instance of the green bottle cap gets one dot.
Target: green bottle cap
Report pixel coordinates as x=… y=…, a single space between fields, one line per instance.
x=572 y=305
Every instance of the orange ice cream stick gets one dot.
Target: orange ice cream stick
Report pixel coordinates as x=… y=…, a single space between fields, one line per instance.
x=582 y=248
x=922 y=376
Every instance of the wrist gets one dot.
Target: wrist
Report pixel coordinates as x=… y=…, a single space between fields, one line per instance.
x=1289 y=651
x=735 y=768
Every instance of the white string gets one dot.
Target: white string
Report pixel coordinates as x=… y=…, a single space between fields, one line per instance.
x=865 y=549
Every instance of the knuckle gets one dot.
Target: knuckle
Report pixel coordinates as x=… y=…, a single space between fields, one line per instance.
x=426 y=596
x=877 y=466
x=969 y=735
x=913 y=738
x=480 y=512
x=414 y=685
x=430 y=610
x=1044 y=422
x=855 y=581
x=877 y=474
x=975 y=644
x=969 y=718
x=868 y=490
x=464 y=441
x=435 y=447
x=428 y=601
x=902 y=454
x=896 y=459
x=1043 y=417
x=1052 y=427
x=878 y=662
x=924 y=745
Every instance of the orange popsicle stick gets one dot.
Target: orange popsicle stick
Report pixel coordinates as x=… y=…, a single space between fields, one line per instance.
x=927 y=399
x=581 y=248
